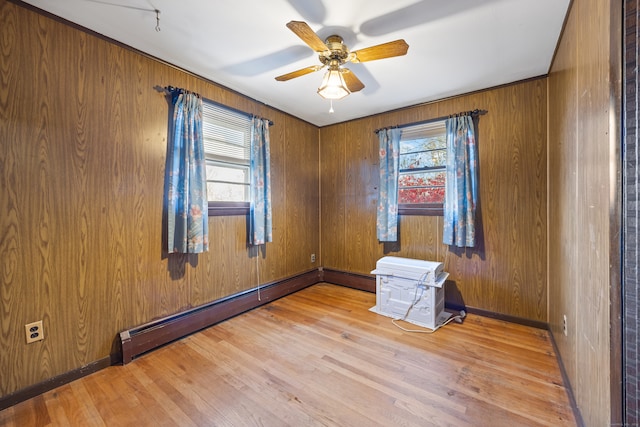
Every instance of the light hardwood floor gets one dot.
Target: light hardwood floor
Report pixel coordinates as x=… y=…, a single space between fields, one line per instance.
x=321 y=358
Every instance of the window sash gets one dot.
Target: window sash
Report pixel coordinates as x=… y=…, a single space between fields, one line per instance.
x=231 y=187
x=226 y=135
x=426 y=165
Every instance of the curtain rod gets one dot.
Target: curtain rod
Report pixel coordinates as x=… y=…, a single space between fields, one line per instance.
x=169 y=89
x=473 y=113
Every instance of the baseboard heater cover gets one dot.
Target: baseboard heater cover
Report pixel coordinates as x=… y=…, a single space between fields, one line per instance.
x=359 y=281
x=144 y=338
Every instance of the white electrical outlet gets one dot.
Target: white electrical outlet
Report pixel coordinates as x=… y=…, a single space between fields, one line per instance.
x=564 y=325
x=313 y=257
x=34 y=331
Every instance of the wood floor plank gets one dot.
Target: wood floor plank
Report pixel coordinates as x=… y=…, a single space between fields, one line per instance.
x=252 y=382
x=320 y=357
x=281 y=378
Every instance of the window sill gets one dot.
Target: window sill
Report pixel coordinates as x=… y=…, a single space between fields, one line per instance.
x=424 y=209
x=242 y=208
x=228 y=208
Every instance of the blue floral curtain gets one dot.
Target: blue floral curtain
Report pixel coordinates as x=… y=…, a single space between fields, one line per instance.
x=187 y=204
x=387 y=219
x=260 y=213
x=461 y=193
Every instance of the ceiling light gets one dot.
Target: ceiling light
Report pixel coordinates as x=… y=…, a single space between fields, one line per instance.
x=333 y=85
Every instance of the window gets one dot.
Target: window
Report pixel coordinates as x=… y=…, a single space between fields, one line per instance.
x=422 y=169
x=226 y=135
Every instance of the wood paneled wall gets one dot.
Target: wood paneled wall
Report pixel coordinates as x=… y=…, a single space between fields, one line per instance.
x=582 y=188
x=83 y=140
x=507 y=272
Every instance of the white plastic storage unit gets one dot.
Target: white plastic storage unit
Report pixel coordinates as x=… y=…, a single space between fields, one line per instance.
x=411 y=290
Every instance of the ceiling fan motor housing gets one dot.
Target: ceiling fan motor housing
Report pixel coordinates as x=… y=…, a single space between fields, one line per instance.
x=337 y=51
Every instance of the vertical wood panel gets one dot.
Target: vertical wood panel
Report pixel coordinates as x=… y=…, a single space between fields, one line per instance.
x=592 y=216
x=332 y=195
x=276 y=266
x=302 y=196
x=562 y=191
x=83 y=134
x=361 y=195
x=579 y=192
x=12 y=258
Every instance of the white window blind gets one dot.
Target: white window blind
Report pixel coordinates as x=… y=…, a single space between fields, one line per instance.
x=424 y=130
x=226 y=135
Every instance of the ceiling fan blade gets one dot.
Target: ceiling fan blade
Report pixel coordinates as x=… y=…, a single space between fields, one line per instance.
x=353 y=83
x=381 y=51
x=307 y=35
x=298 y=73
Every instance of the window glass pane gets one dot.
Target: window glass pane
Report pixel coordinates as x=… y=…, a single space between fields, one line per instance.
x=227 y=183
x=422 y=164
x=423 y=159
x=423 y=179
x=226 y=192
x=216 y=172
x=423 y=144
x=421 y=195
x=424 y=187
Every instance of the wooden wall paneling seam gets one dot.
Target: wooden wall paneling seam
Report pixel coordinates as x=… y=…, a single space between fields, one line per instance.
x=319 y=258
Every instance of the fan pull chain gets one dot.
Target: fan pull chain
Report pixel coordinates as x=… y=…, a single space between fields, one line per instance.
x=157 y=20
x=331 y=109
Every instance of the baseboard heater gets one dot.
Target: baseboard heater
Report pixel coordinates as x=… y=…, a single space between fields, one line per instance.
x=139 y=340
x=351 y=280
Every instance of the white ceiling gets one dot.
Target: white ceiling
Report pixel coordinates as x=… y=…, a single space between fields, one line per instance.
x=455 y=46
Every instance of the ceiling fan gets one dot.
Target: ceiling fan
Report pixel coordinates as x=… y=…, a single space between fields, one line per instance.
x=339 y=81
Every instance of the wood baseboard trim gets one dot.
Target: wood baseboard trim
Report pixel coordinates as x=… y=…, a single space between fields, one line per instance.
x=506 y=317
x=565 y=380
x=139 y=340
x=51 y=383
x=350 y=280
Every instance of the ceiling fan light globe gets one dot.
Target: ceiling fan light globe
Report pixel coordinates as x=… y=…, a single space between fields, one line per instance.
x=333 y=85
